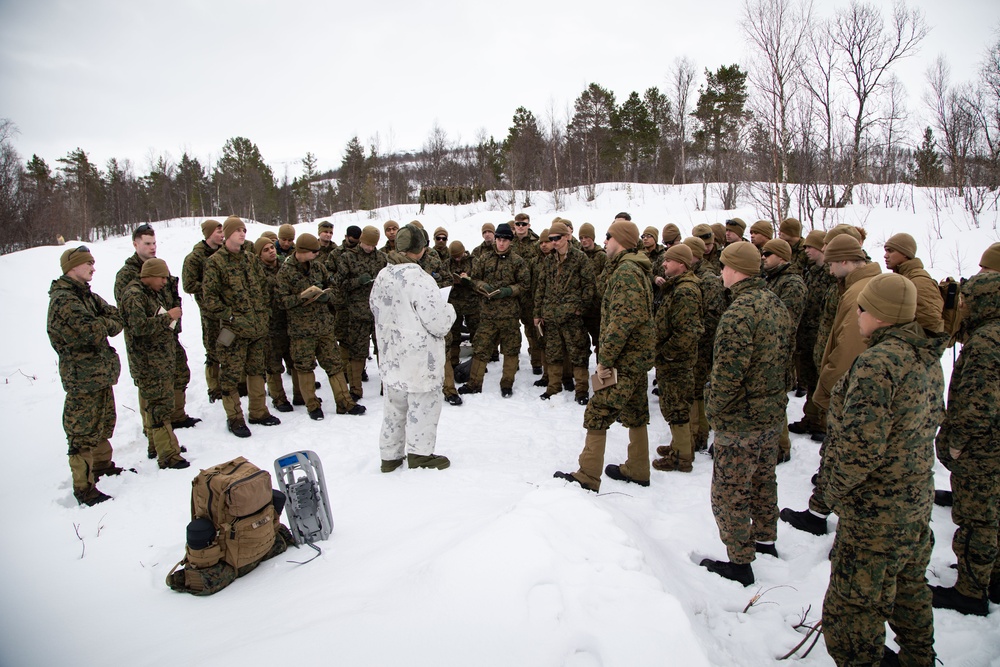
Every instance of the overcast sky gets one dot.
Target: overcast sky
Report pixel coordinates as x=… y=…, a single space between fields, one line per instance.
x=132 y=78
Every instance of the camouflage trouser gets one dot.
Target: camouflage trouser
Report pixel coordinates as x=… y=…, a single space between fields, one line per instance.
x=528 y=320
x=209 y=335
x=324 y=349
x=360 y=334
x=592 y=323
x=409 y=423
x=677 y=392
x=340 y=321
x=624 y=401
x=242 y=357
x=871 y=586
x=506 y=331
x=278 y=353
x=569 y=336
x=976 y=512
x=156 y=402
x=745 y=490
x=182 y=374
x=471 y=320
x=89 y=421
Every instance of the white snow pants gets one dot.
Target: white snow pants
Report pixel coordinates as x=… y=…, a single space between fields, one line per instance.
x=409 y=423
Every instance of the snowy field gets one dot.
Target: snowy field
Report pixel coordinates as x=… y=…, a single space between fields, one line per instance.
x=491 y=562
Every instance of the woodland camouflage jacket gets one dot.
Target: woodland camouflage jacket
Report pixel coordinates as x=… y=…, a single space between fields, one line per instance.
x=79 y=323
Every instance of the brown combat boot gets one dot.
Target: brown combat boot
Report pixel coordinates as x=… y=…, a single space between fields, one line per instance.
x=679 y=455
x=581 y=376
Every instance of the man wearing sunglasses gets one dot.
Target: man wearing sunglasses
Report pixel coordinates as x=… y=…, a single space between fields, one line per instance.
x=525 y=246
x=441 y=244
x=79 y=324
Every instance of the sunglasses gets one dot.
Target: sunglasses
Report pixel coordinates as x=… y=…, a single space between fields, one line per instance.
x=766 y=253
x=522 y=224
x=144 y=227
x=82 y=248
x=440 y=238
x=705 y=237
x=861 y=308
x=555 y=237
x=608 y=237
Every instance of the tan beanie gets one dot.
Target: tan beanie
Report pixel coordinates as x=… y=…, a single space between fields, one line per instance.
x=703 y=231
x=652 y=231
x=671 y=233
x=791 y=227
x=543 y=236
x=325 y=224
x=680 y=253
x=260 y=244
x=74 y=257
x=991 y=258
x=815 y=239
x=410 y=238
x=286 y=232
x=440 y=231
x=625 y=232
x=370 y=236
x=697 y=246
x=779 y=247
x=307 y=242
x=417 y=224
x=719 y=230
x=558 y=228
x=850 y=230
x=231 y=225
x=742 y=256
x=154 y=267
x=842 y=248
x=268 y=234
x=762 y=227
x=488 y=227
x=890 y=297
x=587 y=231
x=902 y=243
x=390 y=224
x=738 y=225
x=209 y=226
x=456 y=248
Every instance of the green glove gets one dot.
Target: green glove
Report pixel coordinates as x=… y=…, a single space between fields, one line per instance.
x=487 y=289
x=505 y=292
x=466 y=280
x=364 y=279
x=324 y=297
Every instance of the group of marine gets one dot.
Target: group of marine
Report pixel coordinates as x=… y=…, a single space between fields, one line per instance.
x=730 y=326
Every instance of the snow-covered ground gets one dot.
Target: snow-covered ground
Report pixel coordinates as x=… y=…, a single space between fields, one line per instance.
x=491 y=562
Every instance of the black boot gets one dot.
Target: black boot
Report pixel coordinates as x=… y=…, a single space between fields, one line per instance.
x=740 y=573
x=804 y=521
x=615 y=472
x=943 y=498
x=768 y=549
x=949 y=598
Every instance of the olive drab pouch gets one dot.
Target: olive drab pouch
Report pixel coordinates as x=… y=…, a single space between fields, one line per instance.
x=226 y=337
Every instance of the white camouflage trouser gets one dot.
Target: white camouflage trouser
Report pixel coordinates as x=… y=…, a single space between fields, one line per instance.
x=409 y=422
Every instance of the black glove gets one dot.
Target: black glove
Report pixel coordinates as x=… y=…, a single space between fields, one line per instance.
x=364 y=279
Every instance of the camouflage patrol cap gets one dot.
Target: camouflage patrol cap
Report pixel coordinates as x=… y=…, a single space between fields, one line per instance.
x=456 y=248
x=902 y=243
x=370 y=235
x=410 y=239
x=232 y=224
x=154 y=267
x=890 y=297
x=697 y=246
x=742 y=256
x=779 y=247
x=390 y=224
x=680 y=253
x=286 y=232
x=307 y=242
x=843 y=248
x=815 y=239
x=587 y=231
x=763 y=227
x=488 y=227
x=74 y=257
x=737 y=223
x=671 y=233
x=791 y=227
x=209 y=226
x=991 y=258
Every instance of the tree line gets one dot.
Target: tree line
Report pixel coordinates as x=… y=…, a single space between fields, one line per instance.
x=816 y=108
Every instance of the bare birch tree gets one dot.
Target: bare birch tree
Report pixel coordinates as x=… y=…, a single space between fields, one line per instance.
x=682 y=76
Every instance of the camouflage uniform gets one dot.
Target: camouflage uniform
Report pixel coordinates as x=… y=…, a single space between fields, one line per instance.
x=818 y=281
x=310 y=330
x=713 y=260
x=745 y=406
x=498 y=320
x=678 y=330
x=800 y=260
x=79 y=324
x=234 y=291
x=191 y=277
x=972 y=426
x=278 y=350
x=878 y=478
x=592 y=313
x=338 y=302
x=151 y=359
x=655 y=255
x=785 y=281
x=714 y=301
x=356 y=269
x=466 y=303
x=483 y=247
x=628 y=345
x=528 y=250
x=563 y=291
x=170 y=297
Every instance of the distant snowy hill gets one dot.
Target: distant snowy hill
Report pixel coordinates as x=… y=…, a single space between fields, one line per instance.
x=489 y=563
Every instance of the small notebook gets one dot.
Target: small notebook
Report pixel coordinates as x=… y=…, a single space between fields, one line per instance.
x=597 y=383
